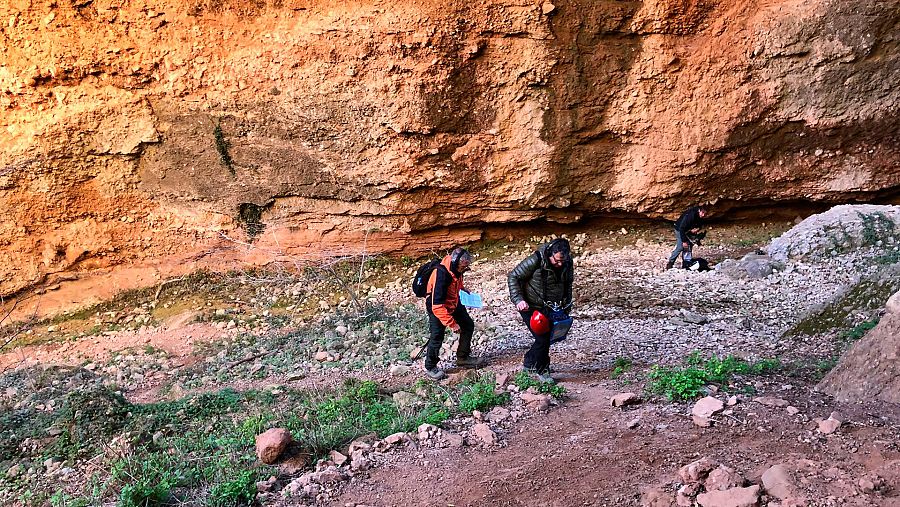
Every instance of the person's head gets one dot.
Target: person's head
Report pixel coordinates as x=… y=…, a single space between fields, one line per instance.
x=460 y=260
x=702 y=211
x=558 y=252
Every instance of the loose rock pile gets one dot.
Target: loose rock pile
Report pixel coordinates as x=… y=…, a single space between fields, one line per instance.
x=840 y=230
x=708 y=483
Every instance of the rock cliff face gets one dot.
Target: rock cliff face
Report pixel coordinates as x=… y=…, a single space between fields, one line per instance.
x=134 y=132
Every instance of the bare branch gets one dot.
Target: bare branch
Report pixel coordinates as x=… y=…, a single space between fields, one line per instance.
x=18 y=330
x=163 y=284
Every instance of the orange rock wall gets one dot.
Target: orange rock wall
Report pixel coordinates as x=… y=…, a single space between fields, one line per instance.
x=139 y=131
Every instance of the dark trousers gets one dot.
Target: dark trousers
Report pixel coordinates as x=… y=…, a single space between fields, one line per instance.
x=437 y=330
x=538 y=356
x=680 y=249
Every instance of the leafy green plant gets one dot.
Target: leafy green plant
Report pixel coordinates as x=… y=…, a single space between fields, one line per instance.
x=61 y=499
x=689 y=382
x=523 y=381
x=860 y=330
x=480 y=395
x=676 y=383
x=823 y=366
x=148 y=482
x=241 y=490
x=199 y=449
x=329 y=421
x=621 y=366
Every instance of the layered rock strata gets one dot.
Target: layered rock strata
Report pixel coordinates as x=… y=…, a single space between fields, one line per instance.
x=135 y=132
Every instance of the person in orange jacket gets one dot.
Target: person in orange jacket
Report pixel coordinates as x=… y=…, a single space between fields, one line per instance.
x=444 y=310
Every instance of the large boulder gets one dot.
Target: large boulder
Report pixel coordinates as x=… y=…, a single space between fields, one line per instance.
x=839 y=229
x=750 y=267
x=871 y=368
x=863 y=299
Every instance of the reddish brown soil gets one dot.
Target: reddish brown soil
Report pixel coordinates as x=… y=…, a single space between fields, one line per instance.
x=582 y=453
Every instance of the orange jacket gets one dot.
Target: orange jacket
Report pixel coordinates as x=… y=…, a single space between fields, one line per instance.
x=443 y=289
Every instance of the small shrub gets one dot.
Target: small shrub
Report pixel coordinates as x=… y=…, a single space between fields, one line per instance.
x=620 y=367
x=676 y=383
x=148 y=482
x=689 y=382
x=875 y=227
x=238 y=491
x=250 y=218
x=824 y=366
x=480 y=395
x=859 y=330
x=766 y=366
x=524 y=381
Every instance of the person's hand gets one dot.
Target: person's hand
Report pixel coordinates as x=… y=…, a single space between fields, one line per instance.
x=685 y=244
x=454 y=327
x=522 y=306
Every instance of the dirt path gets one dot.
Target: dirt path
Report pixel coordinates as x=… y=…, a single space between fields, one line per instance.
x=584 y=453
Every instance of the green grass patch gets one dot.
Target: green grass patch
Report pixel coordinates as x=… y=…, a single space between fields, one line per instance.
x=480 y=395
x=888 y=257
x=523 y=381
x=868 y=296
x=199 y=450
x=688 y=382
x=621 y=366
x=876 y=227
x=860 y=330
x=331 y=421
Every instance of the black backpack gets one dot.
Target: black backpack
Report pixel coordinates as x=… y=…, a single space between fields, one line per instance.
x=420 y=281
x=696 y=264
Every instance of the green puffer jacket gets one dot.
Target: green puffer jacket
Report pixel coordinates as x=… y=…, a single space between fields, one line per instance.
x=527 y=279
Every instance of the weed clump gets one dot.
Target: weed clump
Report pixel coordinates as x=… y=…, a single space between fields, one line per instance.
x=70 y=405
x=621 y=366
x=524 y=381
x=479 y=395
x=860 y=330
x=328 y=422
x=688 y=382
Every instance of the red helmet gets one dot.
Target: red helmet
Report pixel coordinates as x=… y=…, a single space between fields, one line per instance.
x=540 y=324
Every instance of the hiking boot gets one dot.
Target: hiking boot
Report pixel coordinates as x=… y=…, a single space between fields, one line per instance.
x=435 y=373
x=670 y=265
x=470 y=362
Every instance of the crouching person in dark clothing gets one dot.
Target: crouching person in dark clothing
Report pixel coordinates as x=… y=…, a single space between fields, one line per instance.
x=444 y=310
x=689 y=222
x=544 y=279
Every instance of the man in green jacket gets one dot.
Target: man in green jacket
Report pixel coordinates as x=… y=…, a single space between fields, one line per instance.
x=539 y=283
